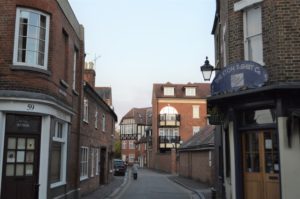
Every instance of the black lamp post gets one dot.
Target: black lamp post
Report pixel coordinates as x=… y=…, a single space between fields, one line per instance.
x=207 y=70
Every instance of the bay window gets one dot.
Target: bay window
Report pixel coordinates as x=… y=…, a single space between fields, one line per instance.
x=31 y=38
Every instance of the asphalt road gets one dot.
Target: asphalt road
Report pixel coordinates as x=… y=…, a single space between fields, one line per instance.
x=152 y=185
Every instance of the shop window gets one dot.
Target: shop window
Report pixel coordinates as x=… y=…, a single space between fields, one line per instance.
x=59 y=155
x=31 y=38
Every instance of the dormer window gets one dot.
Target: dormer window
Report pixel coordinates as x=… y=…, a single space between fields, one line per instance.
x=190 y=91
x=169 y=91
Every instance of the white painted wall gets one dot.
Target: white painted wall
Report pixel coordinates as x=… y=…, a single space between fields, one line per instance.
x=289 y=161
x=229 y=182
x=44 y=156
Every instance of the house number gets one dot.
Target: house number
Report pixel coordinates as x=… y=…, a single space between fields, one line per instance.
x=30 y=107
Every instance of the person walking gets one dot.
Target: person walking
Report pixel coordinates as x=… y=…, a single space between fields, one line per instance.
x=135 y=171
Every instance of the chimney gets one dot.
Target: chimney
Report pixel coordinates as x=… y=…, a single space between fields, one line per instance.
x=89 y=73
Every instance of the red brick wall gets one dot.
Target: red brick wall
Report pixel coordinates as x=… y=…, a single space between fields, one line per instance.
x=35 y=81
x=128 y=151
x=281 y=27
x=186 y=117
x=195 y=165
x=95 y=138
x=185 y=109
x=26 y=80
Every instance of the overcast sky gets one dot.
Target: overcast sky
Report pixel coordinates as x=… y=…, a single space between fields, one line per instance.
x=141 y=42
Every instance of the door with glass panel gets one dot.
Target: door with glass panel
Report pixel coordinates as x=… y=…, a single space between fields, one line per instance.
x=20 y=167
x=261 y=165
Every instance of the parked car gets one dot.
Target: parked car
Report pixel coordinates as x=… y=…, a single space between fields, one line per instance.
x=119 y=167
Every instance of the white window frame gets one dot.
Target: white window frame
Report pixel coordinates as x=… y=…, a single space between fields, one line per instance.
x=169 y=91
x=190 y=91
x=196 y=129
x=103 y=122
x=97 y=154
x=124 y=144
x=84 y=163
x=196 y=111
x=16 y=39
x=74 y=69
x=92 y=153
x=247 y=38
x=131 y=144
x=96 y=118
x=63 y=140
x=86 y=110
x=131 y=157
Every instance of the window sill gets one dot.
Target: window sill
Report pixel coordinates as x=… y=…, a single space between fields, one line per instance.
x=75 y=92
x=57 y=184
x=85 y=121
x=30 y=68
x=64 y=83
x=84 y=178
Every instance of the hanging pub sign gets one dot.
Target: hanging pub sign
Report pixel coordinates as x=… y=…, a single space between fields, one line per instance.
x=239 y=76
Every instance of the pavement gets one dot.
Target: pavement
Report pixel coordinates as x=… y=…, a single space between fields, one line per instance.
x=110 y=190
x=202 y=190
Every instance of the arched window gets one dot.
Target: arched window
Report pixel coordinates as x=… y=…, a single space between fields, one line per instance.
x=168 y=110
x=168 y=113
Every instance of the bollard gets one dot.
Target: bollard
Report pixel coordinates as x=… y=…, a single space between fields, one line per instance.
x=213 y=193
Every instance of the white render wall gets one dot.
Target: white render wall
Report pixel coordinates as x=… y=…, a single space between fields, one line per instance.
x=289 y=161
x=230 y=184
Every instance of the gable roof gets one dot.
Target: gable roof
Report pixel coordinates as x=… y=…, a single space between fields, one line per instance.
x=203 y=140
x=140 y=115
x=105 y=93
x=90 y=90
x=202 y=90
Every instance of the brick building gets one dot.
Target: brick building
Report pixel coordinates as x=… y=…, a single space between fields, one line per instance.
x=41 y=62
x=179 y=111
x=96 y=136
x=196 y=156
x=255 y=96
x=135 y=130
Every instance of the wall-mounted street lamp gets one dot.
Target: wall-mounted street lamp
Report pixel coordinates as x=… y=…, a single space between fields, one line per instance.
x=207 y=70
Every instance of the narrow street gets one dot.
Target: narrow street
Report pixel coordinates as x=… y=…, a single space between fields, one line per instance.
x=151 y=184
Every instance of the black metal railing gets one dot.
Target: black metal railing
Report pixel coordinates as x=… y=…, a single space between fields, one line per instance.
x=169 y=120
x=169 y=139
x=128 y=136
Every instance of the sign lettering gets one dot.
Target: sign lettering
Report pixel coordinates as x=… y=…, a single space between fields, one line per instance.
x=240 y=75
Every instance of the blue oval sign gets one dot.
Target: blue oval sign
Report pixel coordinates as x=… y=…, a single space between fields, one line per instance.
x=239 y=76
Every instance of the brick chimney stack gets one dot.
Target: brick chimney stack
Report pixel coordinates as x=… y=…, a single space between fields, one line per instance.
x=89 y=73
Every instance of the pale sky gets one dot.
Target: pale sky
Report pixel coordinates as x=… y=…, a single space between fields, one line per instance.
x=142 y=42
